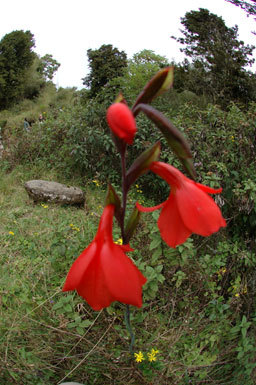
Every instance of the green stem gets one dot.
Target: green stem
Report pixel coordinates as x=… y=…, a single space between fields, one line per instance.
x=124 y=193
x=127 y=319
x=128 y=327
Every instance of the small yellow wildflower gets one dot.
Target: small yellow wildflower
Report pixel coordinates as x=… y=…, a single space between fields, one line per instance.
x=11 y=232
x=44 y=206
x=152 y=355
x=119 y=241
x=237 y=295
x=73 y=227
x=97 y=183
x=139 y=357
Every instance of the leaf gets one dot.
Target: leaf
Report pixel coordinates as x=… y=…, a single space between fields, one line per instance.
x=57 y=306
x=155 y=243
x=86 y=323
x=68 y=308
x=160 y=83
x=173 y=136
x=131 y=225
x=142 y=164
x=113 y=199
x=80 y=330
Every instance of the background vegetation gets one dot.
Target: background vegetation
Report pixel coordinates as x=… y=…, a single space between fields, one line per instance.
x=199 y=301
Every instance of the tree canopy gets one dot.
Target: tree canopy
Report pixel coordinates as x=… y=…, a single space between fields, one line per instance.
x=105 y=63
x=219 y=58
x=16 y=56
x=22 y=72
x=48 y=66
x=249 y=6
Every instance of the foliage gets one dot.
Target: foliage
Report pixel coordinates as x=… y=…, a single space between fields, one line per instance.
x=201 y=317
x=48 y=66
x=16 y=57
x=248 y=6
x=219 y=59
x=105 y=64
x=199 y=309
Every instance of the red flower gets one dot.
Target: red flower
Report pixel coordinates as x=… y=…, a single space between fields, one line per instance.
x=103 y=273
x=189 y=209
x=121 y=121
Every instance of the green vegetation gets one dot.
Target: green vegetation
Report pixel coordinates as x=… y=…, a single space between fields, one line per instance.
x=105 y=63
x=218 y=58
x=23 y=73
x=198 y=321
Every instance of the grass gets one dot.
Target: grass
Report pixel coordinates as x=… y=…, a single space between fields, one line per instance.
x=48 y=337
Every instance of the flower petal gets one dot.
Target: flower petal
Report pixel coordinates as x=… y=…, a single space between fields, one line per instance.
x=79 y=267
x=198 y=210
x=149 y=209
x=208 y=189
x=171 y=226
x=126 y=248
x=93 y=287
x=123 y=279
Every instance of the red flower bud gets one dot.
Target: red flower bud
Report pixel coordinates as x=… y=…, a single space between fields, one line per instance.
x=121 y=121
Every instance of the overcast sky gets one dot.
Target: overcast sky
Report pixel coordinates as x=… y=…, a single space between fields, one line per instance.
x=67 y=29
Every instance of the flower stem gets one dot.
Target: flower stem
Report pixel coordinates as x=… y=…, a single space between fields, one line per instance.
x=124 y=193
x=127 y=319
x=129 y=328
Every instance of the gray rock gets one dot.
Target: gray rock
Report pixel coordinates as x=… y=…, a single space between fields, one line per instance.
x=42 y=190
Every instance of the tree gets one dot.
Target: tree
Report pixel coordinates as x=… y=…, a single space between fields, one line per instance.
x=105 y=63
x=248 y=6
x=141 y=68
x=16 y=56
x=217 y=55
x=48 y=66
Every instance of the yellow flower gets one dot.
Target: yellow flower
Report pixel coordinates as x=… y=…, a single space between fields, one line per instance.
x=97 y=183
x=119 y=241
x=11 y=232
x=73 y=227
x=152 y=355
x=44 y=206
x=139 y=357
x=237 y=295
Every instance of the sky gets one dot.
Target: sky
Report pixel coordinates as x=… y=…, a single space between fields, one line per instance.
x=67 y=29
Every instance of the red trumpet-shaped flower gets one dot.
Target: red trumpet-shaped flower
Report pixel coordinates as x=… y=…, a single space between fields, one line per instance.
x=103 y=273
x=189 y=209
x=121 y=121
